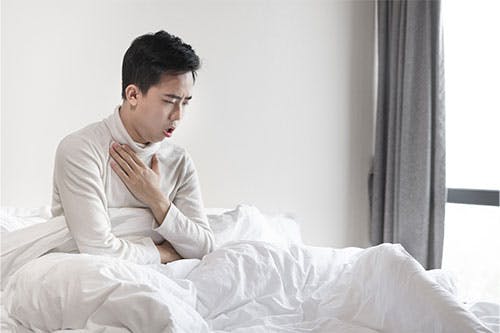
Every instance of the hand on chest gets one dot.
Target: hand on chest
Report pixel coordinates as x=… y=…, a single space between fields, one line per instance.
x=117 y=193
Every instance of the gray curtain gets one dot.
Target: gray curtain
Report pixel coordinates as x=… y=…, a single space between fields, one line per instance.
x=408 y=190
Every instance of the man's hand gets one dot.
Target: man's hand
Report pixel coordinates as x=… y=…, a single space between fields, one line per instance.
x=142 y=181
x=167 y=252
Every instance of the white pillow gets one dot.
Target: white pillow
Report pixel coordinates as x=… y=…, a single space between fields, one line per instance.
x=246 y=222
x=12 y=218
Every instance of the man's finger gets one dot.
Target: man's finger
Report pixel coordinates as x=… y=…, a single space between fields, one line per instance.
x=154 y=164
x=126 y=157
x=121 y=162
x=118 y=170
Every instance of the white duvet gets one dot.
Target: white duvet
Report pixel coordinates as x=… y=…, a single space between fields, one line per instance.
x=243 y=286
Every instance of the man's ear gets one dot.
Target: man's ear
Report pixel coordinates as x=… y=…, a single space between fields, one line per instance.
x=131 y=93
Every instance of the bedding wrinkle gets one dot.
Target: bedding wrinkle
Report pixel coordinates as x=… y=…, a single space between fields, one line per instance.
x=245 y=285
x=114 y=292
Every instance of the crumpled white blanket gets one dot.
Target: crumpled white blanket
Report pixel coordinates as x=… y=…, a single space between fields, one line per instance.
x=244 y=286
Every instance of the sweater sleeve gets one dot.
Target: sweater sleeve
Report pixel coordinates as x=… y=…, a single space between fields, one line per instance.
x=77 y=175
x=186 y=226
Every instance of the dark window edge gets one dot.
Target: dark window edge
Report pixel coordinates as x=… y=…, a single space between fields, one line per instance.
x=473 y=197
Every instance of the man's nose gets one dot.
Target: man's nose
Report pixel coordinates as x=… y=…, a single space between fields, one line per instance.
x=178 y=112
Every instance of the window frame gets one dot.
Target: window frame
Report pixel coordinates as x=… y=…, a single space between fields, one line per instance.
x=473 y=197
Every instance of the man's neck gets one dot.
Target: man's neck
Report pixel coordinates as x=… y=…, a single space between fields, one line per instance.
x=126 y=116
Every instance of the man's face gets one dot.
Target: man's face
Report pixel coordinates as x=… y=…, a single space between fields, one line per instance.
x=160 y=110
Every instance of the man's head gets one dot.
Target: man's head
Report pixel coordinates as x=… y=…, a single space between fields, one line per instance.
x=152 y=55
x=158 y=75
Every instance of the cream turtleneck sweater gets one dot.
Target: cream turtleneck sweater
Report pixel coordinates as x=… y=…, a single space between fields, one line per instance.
x=87 y=191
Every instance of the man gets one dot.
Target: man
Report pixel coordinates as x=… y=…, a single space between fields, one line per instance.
x=104 y=167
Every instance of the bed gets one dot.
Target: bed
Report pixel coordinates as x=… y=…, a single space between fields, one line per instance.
x=260 y=278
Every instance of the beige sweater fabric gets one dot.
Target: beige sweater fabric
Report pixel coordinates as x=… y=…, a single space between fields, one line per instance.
x=86 y=191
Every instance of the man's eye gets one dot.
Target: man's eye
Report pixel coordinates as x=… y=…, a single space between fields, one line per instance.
x=169 y=102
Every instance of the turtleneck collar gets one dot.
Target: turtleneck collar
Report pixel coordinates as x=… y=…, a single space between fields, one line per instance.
x=120 y=135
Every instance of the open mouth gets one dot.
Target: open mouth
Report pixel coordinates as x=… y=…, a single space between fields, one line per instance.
x=168 y=132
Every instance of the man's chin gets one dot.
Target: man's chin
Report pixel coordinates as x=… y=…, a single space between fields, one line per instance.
x=158 y=140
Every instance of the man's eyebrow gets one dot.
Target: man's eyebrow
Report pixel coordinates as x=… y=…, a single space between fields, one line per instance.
x=178 y=97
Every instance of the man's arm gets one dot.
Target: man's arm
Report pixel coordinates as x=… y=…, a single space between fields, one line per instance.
x=185 y=224
x=77 y=175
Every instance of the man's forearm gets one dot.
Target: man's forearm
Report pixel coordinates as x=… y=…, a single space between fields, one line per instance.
x=160 y=208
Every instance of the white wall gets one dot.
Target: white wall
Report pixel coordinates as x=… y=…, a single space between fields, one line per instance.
x=282 y=110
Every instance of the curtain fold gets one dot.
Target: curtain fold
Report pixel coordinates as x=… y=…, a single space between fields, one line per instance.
x=408 y=189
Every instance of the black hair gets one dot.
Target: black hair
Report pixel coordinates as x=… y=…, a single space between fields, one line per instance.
x=151 y=55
